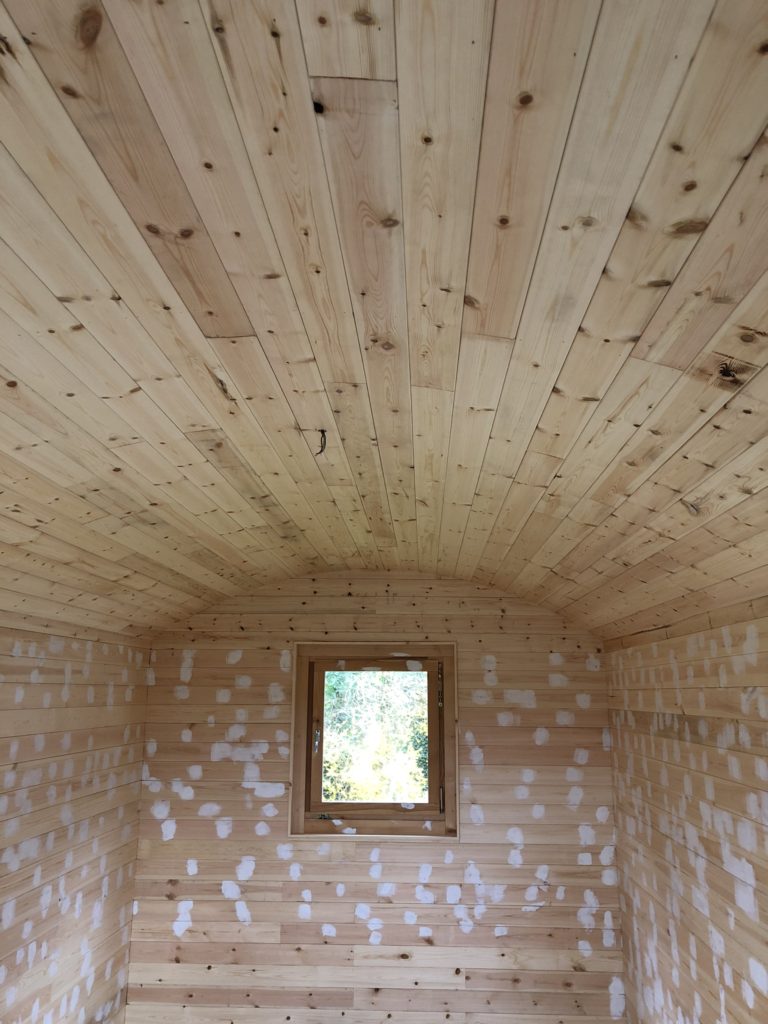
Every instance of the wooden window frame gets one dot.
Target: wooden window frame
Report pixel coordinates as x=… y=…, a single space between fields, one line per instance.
x=309 y=815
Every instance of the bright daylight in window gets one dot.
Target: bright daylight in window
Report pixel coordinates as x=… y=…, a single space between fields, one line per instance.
x=374 y=747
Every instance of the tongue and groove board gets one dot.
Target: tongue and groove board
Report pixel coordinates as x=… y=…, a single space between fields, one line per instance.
x=509 y=257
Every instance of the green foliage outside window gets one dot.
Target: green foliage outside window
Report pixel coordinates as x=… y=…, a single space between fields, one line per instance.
x=375 y=737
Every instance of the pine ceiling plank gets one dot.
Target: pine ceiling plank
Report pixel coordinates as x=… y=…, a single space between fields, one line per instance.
x=489 y=536
x=30 y=608
x=52 y=380
x=46 y=550
x=359 y=134
x=716 y=119
x=163 y=43
x=40 y=385
x=159 y=377
x=732 y=431
x=39 y=240
x=88 y=451
x=254 y=553
x=297 y=372
x=723 y=268
x=111 y=601
x=432 y=411
x=296 y=526
x=612 y=136
x=623 y=448
x=129 y=260
x=78 y=50
x=440 y=121
x=161 y=547
x=281 y=415
x=703 y=389
x=686 y=557
x=354 y=422
x=32 y=305
x=482 y=367
x=726 y=489
x=628 y=402
x=348 y=38
x=734 y=572
x=656 y=507
x=260 y=57
x=538 y=55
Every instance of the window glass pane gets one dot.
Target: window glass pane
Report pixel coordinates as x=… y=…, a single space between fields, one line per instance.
x=375 y=745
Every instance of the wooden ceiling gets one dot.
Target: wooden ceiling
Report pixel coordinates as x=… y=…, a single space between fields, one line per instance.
x=511 y=258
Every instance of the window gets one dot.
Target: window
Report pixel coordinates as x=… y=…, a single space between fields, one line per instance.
x=374 y=740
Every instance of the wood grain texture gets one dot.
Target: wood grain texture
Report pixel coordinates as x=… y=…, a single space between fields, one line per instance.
x=289 y=924
x=440 y=121
x=347 y=39
x=71 y=753
x=691 y=796
x=229 y=227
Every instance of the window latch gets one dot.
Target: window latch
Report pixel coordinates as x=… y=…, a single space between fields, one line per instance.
x=316 y=742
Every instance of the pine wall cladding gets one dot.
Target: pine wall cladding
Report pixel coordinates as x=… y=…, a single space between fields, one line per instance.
x=518 y=918
x=71 y=737
x=690 y=717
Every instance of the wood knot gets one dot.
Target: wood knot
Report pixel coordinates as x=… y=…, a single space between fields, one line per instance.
x=69 y=90
x=390 y=222
x=364 y=18
x=427 y=140
x=186 y=233
x=763 y=47
x=525 y=99
x=11 y=383
x=89 y=26
x=153 y=229
x=471 y=301
x=728 y=372
x=319 y=107
x=636 y=218
x=689 y=186
x=688 y=227
x=503 y=221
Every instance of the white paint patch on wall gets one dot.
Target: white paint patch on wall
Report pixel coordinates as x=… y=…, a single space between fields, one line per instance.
x=617 y=998
x=187 y=664
x=245 y=868
x=183 y=917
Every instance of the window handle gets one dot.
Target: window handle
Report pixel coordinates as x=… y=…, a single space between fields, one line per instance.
x=316 y=741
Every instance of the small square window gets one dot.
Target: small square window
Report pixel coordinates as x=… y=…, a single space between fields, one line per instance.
x=374 y=740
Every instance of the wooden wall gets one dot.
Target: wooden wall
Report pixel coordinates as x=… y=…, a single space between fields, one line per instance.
x=691 y=774
x=71 y=730
x=515 y=921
